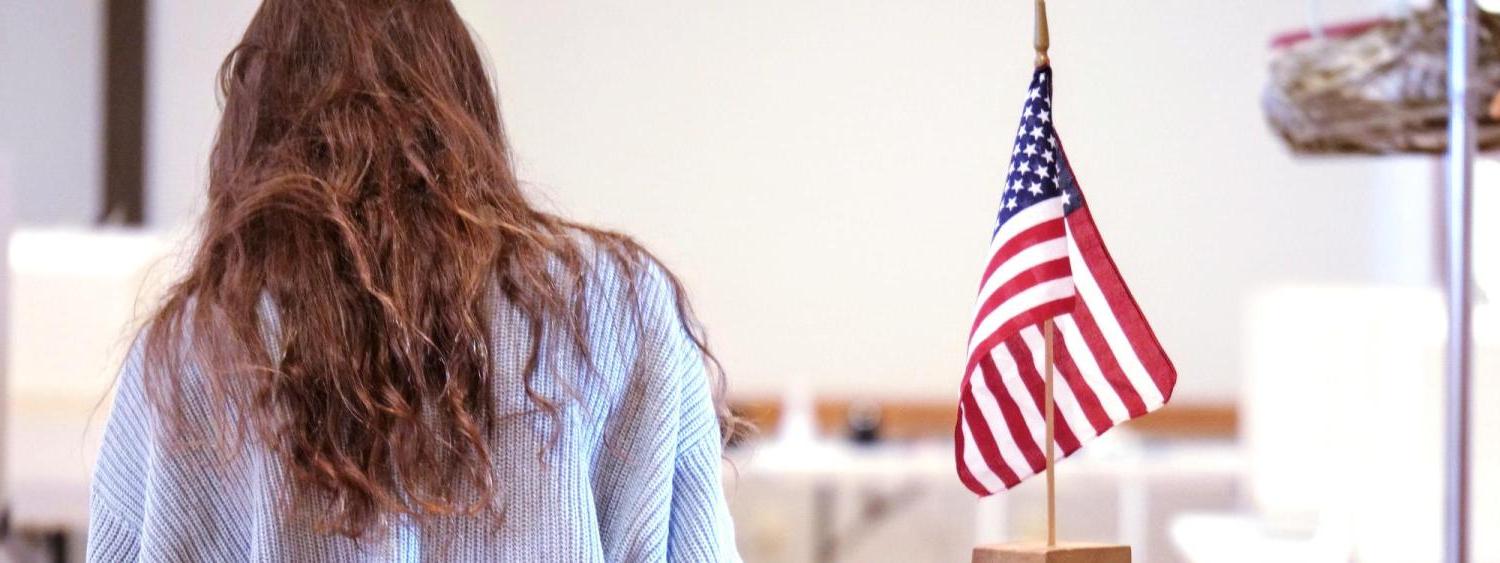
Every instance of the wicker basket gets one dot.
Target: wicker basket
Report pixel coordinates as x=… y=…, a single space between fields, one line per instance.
x=1380 y=90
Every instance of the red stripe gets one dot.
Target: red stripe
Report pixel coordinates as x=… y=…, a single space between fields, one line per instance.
x=1038 y=274
x=1036 y=234
x=964 y=475
x=1011 y=412
x=1092 y=410
x=1109 y=366
x=1036 y=385
x=1033 y=316
x=985 y=441
x=1334 y=31
x=1121 y=303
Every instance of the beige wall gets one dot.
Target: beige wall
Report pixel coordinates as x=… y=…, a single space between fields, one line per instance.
x=52 y=108
x=824 y=174
x=189 y=39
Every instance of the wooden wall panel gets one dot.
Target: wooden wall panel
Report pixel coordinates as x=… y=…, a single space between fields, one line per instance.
x=930 y=419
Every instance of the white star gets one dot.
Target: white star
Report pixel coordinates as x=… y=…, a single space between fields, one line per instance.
x=1035 y=93
x=1036 y=133
x=1035 y=189
x=1030 y=150
x=1047 y=155
x=1010 y=203
x=1041 y=77
x=1043 y=172
x=1067 y=198
x=1044 y=116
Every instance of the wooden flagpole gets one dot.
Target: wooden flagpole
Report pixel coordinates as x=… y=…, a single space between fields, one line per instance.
x=1051 y=459
x=1043 y=41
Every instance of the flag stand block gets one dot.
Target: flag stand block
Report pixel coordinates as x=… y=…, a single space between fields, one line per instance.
x=1060 y=553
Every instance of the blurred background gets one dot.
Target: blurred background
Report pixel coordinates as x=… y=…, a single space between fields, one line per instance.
x=824 y=175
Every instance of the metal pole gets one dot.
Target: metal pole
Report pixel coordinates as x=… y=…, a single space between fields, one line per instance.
x=1458 y=204
x=7 y=224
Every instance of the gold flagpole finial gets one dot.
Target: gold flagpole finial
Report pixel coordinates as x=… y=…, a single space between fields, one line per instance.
x=1042 y=41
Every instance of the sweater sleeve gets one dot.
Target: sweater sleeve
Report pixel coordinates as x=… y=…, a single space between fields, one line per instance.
x=115 y=497
x=700 y=527
x=110 y=537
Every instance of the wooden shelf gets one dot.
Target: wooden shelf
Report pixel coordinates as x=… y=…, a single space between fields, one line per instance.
x=902 y=420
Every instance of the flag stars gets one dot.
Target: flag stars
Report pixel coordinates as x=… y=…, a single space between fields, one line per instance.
x=1032 y=172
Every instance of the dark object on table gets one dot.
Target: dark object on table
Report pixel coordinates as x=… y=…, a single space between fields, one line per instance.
x=864 y=422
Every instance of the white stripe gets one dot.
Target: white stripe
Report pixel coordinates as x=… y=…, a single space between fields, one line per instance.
x=1062 y=394
x=1109 y=327
x=974 y=460
x=1034 y=255
x=1088 y=367
x=1010 y=377
x=989 y=406
x=1035 y=214
x=1026 y=300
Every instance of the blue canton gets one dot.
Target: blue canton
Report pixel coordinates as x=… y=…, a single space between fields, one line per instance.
x=1036 y=156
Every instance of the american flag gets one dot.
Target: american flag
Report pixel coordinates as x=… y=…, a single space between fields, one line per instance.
x=1046 y=261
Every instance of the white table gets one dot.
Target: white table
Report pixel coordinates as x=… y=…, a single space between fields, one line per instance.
x=889 y=478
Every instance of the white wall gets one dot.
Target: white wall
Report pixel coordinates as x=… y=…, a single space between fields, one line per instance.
x=189 y=39
x=824 y=174
x=51 y=107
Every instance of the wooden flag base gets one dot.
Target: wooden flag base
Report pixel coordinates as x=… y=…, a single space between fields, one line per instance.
x=1060 y=553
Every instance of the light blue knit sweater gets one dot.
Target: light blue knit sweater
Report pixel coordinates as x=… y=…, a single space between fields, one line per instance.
x=634 y=477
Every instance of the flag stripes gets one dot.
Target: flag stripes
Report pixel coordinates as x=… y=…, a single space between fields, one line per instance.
x=1106 y=286
x=1047 y=261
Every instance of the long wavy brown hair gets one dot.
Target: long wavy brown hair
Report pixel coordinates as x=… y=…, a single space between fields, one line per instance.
x=361 y=182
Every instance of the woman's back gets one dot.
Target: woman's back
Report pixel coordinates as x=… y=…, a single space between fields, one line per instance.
x=629 y=472
x=380 y=347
